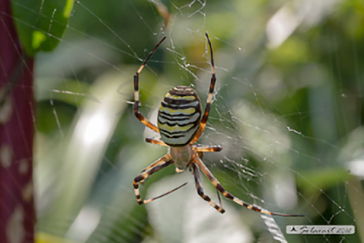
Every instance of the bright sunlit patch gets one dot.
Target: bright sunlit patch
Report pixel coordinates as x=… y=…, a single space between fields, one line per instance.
x=93 y=128
x=356 y=167
x=285 y=193
x=84 y=224
x=293 y=14
x=281 y=26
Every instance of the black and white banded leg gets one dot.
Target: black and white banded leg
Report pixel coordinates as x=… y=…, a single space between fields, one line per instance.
x=228 y=195
x=195 y=171
x=137 y=113
x=158 y=165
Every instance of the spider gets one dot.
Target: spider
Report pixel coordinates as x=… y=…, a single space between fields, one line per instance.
x=180 y=126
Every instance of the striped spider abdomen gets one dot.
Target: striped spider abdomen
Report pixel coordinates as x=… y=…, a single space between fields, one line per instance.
x=179 y=116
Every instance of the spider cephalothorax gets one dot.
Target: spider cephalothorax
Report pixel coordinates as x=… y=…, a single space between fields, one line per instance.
x=180 y=125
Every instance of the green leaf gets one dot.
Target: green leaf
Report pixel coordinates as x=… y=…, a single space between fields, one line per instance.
x=40 y=24
x=324 y=178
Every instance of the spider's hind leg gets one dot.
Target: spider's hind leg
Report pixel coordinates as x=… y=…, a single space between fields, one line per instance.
x=154 y=164
x=228 y=195
x=155 y=167
x=196 y=173
x=157 y=142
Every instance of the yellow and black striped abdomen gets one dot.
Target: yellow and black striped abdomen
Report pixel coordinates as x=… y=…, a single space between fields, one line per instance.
x=179 y=116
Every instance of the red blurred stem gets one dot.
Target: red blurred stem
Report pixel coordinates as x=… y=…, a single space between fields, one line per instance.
x=17 y=216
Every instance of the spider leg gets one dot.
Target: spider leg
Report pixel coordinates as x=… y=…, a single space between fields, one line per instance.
x=218 y=196
x=164 y=194
x=200 y=149
x=136 y=92
x=158 y=165
x=209 y=97
x=228 y=195
x=154 y=164
x=196 y=173
x=206 y=148
x=156 y=141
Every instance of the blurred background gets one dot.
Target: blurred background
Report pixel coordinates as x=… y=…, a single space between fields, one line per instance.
x=287 y=110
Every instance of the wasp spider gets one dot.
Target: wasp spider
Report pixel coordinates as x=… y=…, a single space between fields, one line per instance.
x=180 y=126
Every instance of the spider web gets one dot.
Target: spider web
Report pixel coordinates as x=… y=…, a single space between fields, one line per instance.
x=287 y=110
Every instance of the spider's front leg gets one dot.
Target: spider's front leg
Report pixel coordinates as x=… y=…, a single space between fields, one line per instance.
x=136 y=92
x=209 y=96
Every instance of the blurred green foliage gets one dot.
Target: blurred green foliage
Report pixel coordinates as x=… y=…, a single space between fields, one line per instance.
x=286 y=115
x=40 y=24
